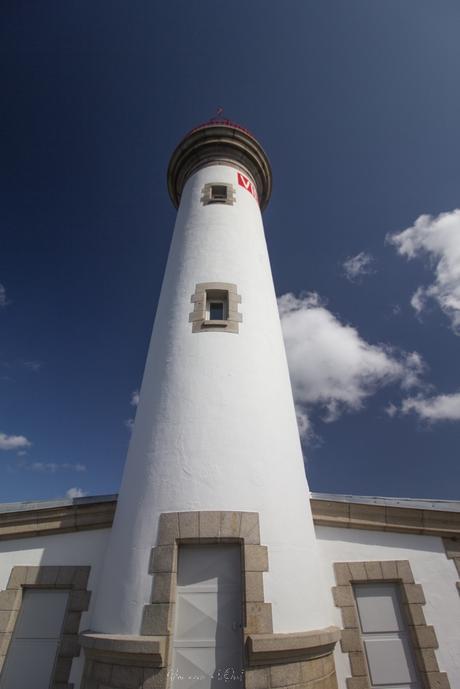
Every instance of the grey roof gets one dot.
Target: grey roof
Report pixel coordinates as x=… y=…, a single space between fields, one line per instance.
x=411 y=503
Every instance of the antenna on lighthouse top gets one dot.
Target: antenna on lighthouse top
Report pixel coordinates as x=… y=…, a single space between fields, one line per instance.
x=219 y=113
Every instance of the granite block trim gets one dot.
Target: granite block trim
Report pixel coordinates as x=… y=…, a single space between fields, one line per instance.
x=207 y=197
x=271 y=660
x=422 y=636
x=60 y=519
x=277 y=649
x=452 y=548
x=351 y=515
x=176 y=528
x=99 y=515
x=71 y=578
x=198 y=316
x=140 y=651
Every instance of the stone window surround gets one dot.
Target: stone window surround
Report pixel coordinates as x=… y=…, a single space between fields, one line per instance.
x=452 y=548
x=198 y=316
x=272 y=660
x=206 y=194
x=69 y=578
x=422 y=636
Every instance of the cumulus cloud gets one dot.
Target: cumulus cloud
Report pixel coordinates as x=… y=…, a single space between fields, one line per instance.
x=436 y=408
x=75 y=493
x=3 y=300
x=332 y=367
x=304 y=424
x=439 y=239
x=13 y=442
x=134 y=401
x=354 y=267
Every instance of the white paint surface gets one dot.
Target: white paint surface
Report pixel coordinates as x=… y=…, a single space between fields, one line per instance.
x=430 y=567
x=83 y=548
x=216 y=428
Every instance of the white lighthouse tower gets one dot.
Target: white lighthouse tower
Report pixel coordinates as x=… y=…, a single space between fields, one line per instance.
x=211 y=574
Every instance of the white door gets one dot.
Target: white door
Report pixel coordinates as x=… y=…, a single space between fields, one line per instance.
x=385 y=637
x=33 y=648
x=208 y=640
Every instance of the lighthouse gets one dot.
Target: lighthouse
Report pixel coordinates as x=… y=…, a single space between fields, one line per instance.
x=211 y=575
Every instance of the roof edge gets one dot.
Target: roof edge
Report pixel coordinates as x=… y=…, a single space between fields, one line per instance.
x=26 y=520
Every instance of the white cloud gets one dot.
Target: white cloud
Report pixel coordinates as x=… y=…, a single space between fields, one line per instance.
x=355 y=267
x=13 y=442
x=331 y=365
x=303 y=423
x=391 y=409
x=134 y=401
x=76 y=493
x=437 y=408
x=439 y=239
x=3 y=300
x=52 y=467
x=418 y=300
x=34 y=366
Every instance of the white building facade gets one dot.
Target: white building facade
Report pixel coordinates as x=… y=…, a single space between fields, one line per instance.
x=214 y=570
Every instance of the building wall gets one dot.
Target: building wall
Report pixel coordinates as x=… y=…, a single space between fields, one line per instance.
x=78 y=548
x=431 y=568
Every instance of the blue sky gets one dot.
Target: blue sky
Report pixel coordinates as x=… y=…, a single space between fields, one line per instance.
x=358 y=106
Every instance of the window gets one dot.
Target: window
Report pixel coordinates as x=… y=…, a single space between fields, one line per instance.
x=36 y=639
x=216 y=305
x=215 y=308
x=220 y=192
x=216 y=311
x=385 y=637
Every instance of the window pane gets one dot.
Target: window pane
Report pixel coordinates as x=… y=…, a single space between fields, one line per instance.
x=378 y=608
x=384 y=634
x=389 y=661
x=216 y=311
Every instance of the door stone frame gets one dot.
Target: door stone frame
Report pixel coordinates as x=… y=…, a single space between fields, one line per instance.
x=271 y=660
x=422 y=637
x=73 y=579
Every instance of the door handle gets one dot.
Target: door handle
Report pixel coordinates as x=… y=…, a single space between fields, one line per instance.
x=236 y=626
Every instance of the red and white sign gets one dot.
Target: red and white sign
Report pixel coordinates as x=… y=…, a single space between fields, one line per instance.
x=247 y=184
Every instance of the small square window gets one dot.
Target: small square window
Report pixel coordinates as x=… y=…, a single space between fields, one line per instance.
x=216 y=305
x=219 y=192
x=215 y=308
